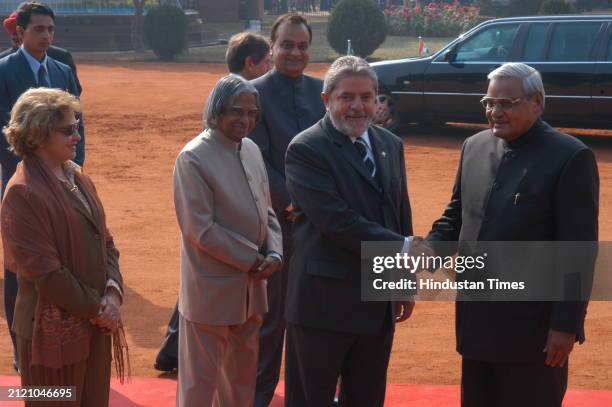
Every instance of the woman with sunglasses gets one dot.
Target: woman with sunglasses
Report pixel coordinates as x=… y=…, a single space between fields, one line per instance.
x=54 y=235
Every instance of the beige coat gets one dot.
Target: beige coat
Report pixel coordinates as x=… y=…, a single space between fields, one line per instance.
x=223 y=207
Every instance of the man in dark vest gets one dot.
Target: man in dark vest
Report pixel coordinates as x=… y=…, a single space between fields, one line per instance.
x=290 y=103
x=519 y=181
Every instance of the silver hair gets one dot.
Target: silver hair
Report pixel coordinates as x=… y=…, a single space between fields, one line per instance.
x=530 y=77
x=347 y=65
x=222 y=97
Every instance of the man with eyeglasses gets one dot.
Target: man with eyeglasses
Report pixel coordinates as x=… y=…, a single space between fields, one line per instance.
x=248 y=56
x=519 y=181
x=290 y=102
x=29 y=67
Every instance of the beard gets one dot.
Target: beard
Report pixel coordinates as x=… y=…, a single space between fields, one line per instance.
x=346 y=127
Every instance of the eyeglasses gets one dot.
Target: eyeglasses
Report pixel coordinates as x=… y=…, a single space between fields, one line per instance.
x=69 y=130
x=504 y=104
x=239 y=113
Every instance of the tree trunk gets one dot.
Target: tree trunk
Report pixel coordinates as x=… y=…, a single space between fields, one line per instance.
x=253 y=10
x=137 y=26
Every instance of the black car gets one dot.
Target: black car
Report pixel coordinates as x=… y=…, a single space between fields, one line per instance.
x=573 y=54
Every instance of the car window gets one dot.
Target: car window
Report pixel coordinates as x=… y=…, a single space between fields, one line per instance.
x=573 y=41
x=536 y=40
x=492 y=44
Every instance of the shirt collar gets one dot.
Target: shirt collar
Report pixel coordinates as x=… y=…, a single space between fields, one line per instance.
x=224 y=141
x=365 y=136
x=284 y=79
x=70 y=168
x=35 y=63
x=525 y=138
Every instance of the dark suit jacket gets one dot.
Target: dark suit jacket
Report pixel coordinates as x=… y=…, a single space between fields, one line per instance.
x=59 y=54
x=289 y=106
x=338 y=206
x=557 y=179
x=15 y=78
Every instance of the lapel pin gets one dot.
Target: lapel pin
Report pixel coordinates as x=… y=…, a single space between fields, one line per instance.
x=383 y=154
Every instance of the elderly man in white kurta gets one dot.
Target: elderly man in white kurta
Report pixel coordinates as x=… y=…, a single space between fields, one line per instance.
x=231 y=243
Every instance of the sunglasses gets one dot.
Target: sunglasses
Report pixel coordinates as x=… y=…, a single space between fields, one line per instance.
x=70 y=130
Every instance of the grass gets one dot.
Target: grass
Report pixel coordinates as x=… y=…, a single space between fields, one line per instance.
x=393 y=48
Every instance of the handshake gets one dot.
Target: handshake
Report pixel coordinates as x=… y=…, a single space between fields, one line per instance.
x=420 y=247
x=264 y=267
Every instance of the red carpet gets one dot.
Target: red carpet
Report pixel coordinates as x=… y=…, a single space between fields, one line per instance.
x=149 y=392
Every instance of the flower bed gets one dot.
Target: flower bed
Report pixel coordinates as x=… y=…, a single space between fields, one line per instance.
x=432 y=20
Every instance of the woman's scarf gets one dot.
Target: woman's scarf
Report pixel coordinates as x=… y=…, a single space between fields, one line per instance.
x=39 y=229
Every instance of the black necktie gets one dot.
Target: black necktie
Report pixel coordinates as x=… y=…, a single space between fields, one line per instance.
x=362 y=148
x=42 y=78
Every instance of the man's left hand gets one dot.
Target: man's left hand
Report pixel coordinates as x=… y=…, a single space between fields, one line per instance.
x=558 y=347
x=269 y=266
x=403 y=310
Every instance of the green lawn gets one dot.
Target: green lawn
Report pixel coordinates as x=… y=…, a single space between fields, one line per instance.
x=320 y=51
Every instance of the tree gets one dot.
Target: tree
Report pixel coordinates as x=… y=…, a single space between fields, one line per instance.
x=165 y=30
x=360 y=21
x=137 y=25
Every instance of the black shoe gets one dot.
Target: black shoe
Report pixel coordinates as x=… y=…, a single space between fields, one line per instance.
x=165 y=364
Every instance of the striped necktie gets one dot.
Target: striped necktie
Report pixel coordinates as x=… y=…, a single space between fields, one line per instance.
x=362 y=148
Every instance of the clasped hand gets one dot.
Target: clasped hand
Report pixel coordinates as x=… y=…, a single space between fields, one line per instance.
x=264 y=267
x=109 y=317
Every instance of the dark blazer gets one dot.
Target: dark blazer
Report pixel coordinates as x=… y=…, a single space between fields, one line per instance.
x=338 y=206
x=289 y=106
x=556 y=179
x=59 y=54
x=15 y=78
